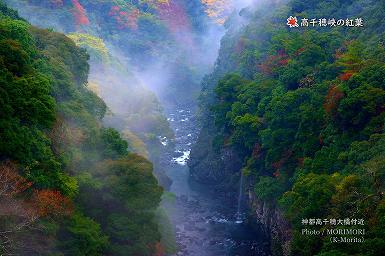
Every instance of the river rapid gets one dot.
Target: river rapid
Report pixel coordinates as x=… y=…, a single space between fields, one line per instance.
x=205 y=222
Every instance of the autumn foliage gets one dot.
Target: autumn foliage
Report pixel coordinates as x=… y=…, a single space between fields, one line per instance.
x=346 y=76
x=273 y=61
x=52 y=202
x=332 y=99
x=11 y=183
x=174 y=16
x=80 y=13
x=125 y=19
x=159 y=250
x=218 y=10
x=42 y=203
x=281 y=162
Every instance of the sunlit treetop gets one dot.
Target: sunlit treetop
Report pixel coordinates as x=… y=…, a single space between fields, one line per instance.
x=218 y=10
x=94 y=45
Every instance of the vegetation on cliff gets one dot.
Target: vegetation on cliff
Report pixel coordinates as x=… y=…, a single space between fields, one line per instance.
x=68 y=185
x=304 y=108
x=151 y=34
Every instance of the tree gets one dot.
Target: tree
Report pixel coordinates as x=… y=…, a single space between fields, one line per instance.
x=82 y=236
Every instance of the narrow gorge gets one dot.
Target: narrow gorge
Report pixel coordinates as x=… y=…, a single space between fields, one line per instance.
x=192 y=127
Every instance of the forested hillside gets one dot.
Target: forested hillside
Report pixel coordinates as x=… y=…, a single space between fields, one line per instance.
x=152 y=37
x=68 y=186
x=291 y=119
x=300 y=112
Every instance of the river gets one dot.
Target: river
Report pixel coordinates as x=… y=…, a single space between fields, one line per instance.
x=205 y=222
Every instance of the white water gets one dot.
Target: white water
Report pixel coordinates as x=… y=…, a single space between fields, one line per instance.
x=239 y=217
x=182 y=160
x=204 y=220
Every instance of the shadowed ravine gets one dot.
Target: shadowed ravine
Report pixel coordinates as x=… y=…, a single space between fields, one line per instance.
x=205 y=223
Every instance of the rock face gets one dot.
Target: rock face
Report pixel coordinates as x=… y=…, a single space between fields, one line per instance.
x=271 y=218
x=222 y=168
x=211 y=166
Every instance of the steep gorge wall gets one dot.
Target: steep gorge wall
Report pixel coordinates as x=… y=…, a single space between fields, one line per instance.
x=221 y=169
x=274 y=223
x=291 y=107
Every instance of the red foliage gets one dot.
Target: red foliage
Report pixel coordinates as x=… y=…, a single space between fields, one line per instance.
x=174 y=15
x=346 y=76
x=256 y=150
x=115 y=8
x=159 y=250
x=51 y=202
x=339 y=53
x=125 y=19
x=301 y=161
x=283 y=62
x=273 y=61
x=299 y=51
x=26 y=207
x=321 y=140
x=285 y=156
x=332 y=99
x=79 y=13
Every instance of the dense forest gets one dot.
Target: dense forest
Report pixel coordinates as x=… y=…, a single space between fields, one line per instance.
x=301 y=111
x=290 y=118
x=148 y=36
x=68 y=185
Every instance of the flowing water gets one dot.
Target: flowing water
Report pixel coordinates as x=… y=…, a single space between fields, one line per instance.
x=206 y=223
x=239 y=219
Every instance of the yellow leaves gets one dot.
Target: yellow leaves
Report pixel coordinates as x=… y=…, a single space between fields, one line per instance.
x=162 y=1
x=94 y=87
x=218 y=10
x=95 y=45
x=155 y=2
x=135 y=143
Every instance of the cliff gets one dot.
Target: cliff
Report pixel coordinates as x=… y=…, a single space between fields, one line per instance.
x=213 y=166
x=300 y=110
x=274 y=223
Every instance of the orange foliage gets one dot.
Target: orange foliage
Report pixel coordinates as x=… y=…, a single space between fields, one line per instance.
x=51 y=202
x=27 y=209
x=79 y=13
x=346 y=76
x=332 y=99
x=218 y=10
